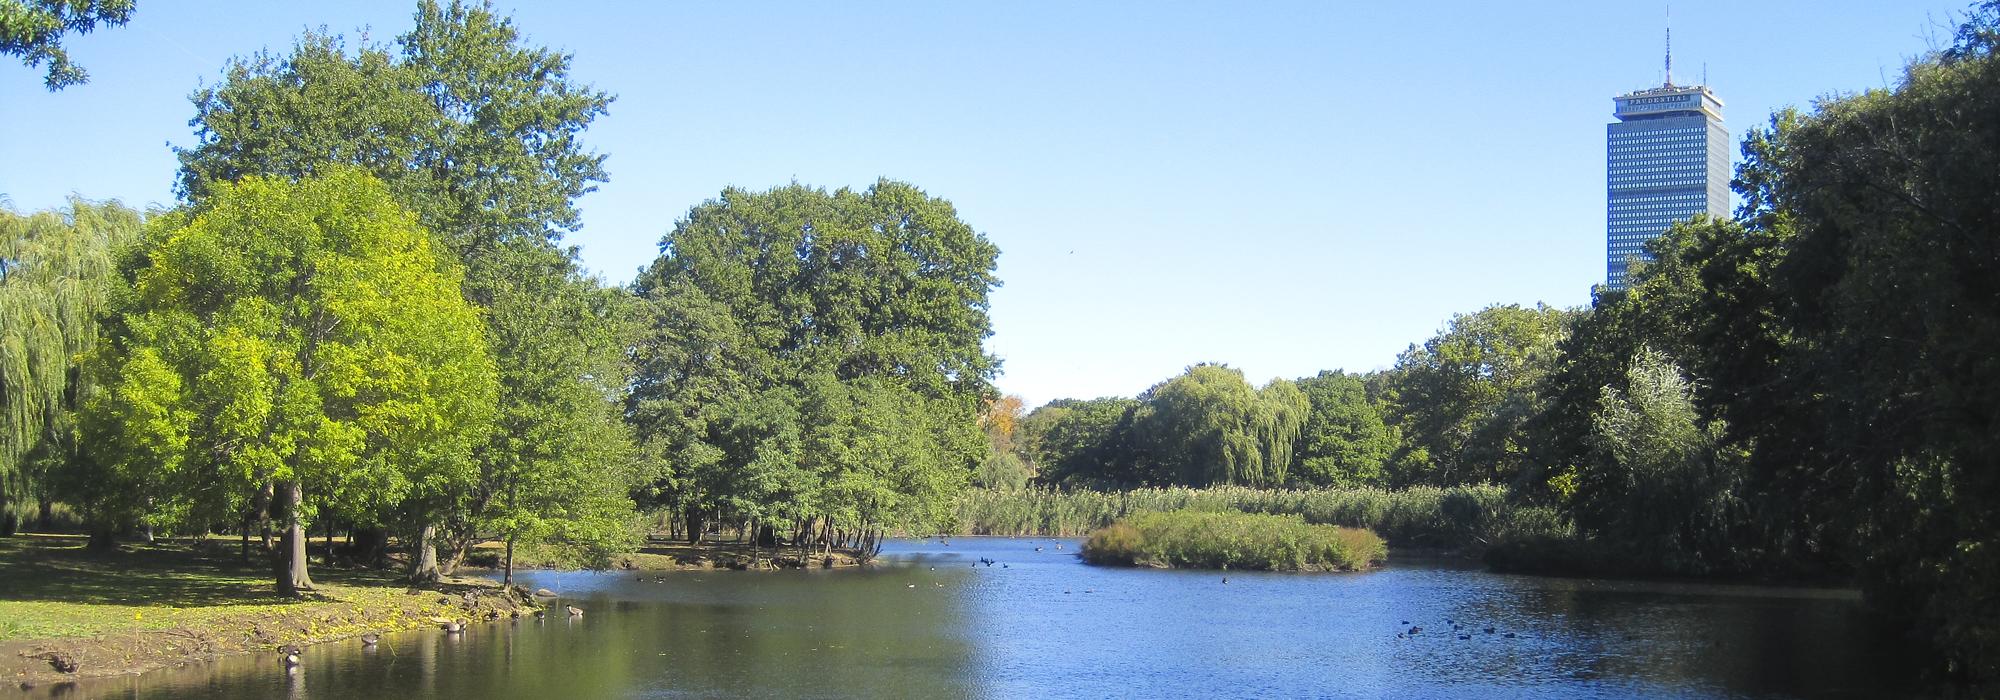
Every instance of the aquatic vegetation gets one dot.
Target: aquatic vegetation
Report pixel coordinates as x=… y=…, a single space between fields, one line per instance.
x=1424 y=516
x=1222 y=540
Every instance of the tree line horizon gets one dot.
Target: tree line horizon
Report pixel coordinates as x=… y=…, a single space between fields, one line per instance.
x=362 y=314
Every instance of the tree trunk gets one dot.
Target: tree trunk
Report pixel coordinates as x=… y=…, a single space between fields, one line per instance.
x=423 y=558
x=370 y=545
x=103 y=538
x=507 y=569
x=264 y=505
x=8 y=523
x=694 y=526
x=292 y=577
x=48 y=522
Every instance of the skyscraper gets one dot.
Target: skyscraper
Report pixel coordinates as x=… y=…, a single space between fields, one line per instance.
x=1666 y=160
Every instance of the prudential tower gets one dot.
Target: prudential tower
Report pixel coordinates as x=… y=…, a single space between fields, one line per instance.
x=1666 y=160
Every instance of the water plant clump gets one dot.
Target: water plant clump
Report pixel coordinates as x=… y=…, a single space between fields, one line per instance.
x=1423 y=516
x=1194 y=539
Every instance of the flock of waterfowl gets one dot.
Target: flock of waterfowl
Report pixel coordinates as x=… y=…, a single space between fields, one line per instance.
x=1456 y=629
x=289 y=654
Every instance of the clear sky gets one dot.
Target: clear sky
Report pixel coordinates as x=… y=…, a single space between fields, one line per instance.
x=1284 y=187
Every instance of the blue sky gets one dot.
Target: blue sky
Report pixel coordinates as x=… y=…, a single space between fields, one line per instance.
x=1284 y=187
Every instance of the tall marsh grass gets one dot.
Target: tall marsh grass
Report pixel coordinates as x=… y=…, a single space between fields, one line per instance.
x=1222 y=540
x=1458 y=517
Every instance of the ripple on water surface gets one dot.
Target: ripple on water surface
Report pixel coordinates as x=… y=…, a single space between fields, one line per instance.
x=933 y=621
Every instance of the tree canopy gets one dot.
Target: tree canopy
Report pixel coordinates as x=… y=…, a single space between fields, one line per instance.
x=33 y=30
x=58 y=277
x=480 y=136
x=814 y=354
x=306 y=334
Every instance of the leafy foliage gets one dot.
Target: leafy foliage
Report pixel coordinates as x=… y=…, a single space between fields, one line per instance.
x=815 y=355
x=58 y=276
x=1463 y=396
x=1344 y=441
x=34 y=29
x=305 y=334
x=479 y=135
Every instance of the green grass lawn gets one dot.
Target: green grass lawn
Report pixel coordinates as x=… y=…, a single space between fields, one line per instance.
x=150 y=605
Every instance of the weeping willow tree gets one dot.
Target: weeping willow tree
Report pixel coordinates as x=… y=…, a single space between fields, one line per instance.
x=57 y=276
x=1210 y=426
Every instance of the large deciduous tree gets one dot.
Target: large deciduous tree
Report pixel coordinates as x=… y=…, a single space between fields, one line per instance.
x=307 y=334
x=1888 y=203
x=815 y=354
x=1210 y=426
x=1344 y=441
x=1463 y=396
x=479 y=135
x=58 y=276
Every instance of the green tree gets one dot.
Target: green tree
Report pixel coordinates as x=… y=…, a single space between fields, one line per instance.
x=34 y=29
x=1086 y=443
x=58 y=276
x=479 y=135
x=303 y=334
x=1209 y=426
x=1344 y=441
x=1885 y=203
x=1659 y=482
x=1464 y=395
x=1003 y=467
x=838 y=304
x=560 y=466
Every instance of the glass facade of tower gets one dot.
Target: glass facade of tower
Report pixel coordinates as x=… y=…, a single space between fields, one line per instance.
x=1666 y=160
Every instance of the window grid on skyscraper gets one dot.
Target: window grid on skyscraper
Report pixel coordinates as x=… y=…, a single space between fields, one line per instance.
x=1666 y=160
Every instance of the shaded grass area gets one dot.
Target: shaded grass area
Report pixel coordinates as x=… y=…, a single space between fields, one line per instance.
x=1223 y=540
x=1470 y=517
x=150 y=605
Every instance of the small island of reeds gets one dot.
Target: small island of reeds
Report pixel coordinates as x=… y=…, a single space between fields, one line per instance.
x=1190 y=539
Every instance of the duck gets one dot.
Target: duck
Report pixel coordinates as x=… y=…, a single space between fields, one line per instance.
x=370 y=639
x=574 y=611
x=1464 y=636
x=1509 y=635
x=1487 y=630
x=61 y=662
x=1416 y=630
x=539 y=614
x=290 y=652
x=452 y=627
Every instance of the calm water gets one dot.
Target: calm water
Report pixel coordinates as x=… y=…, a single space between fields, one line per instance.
x=930 y=623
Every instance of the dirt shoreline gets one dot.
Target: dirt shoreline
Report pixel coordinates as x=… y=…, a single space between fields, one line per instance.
x=152 y=606
x=336 y=613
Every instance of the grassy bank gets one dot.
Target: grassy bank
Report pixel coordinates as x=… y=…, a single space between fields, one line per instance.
x=156 y=605
x=1216 y=540
x=1456 y=518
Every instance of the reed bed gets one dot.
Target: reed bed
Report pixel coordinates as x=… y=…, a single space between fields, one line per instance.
x=1428 y=517
x=1223 y=540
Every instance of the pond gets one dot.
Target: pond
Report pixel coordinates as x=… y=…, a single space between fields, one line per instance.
x=932 y=622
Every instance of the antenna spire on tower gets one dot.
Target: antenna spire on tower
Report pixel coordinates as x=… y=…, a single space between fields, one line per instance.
x=1670 y=45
